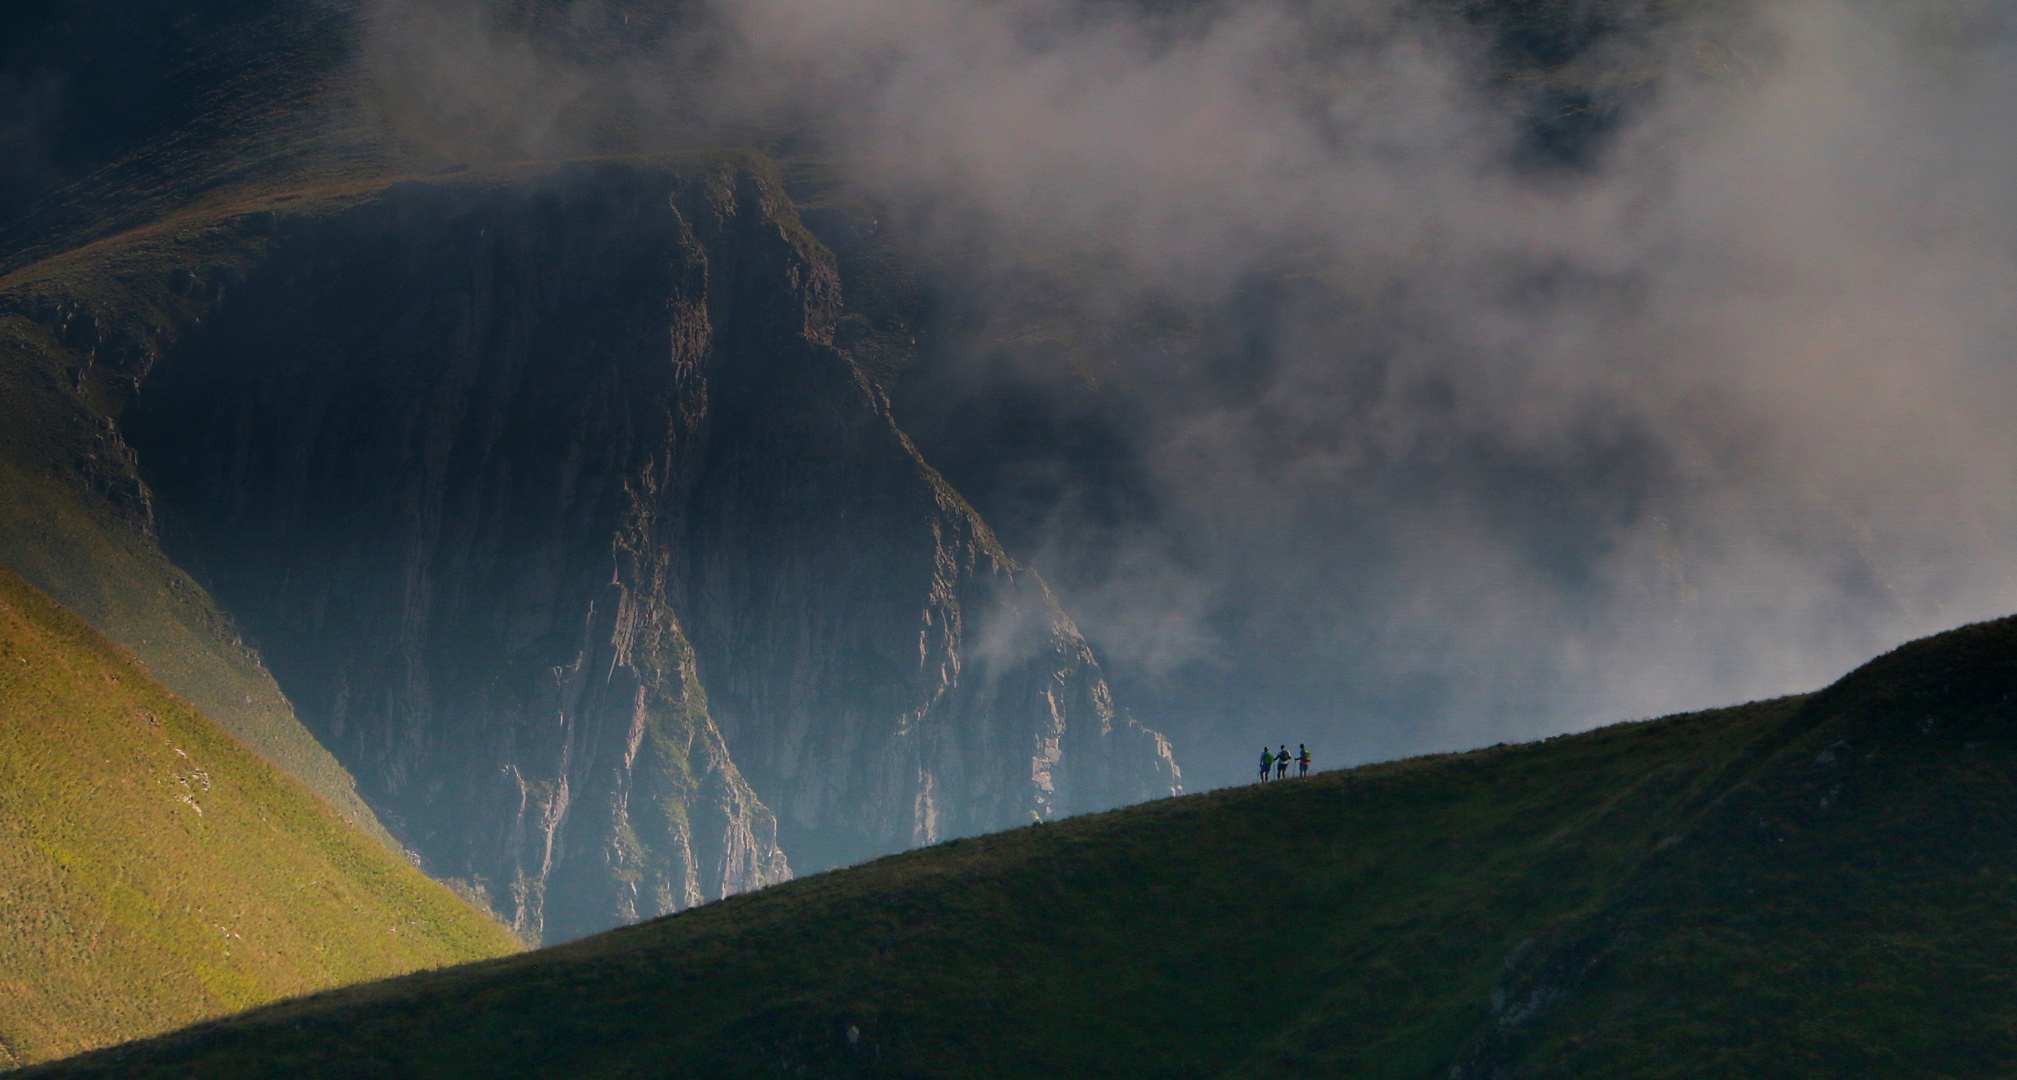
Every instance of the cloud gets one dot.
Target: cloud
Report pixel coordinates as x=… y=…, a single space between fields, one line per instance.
x=1438 y=437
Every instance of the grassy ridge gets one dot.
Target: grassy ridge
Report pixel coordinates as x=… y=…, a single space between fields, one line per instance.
x=1846 y=910
x=1816 y=886
x=1358 y=920
x=154 y=872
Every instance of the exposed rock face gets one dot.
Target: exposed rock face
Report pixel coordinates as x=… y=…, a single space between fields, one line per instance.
x=885 y=673
x=562 y=523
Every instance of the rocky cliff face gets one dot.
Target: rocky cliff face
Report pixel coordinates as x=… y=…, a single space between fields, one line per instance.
x=554 y=510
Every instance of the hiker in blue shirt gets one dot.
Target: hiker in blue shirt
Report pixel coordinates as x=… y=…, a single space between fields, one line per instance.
x=1302 y=760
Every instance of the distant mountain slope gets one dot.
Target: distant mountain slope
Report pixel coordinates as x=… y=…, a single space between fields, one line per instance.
x=154 y=872
x=243 y=159
x=1808 y=887
x=116 y=111
x=78 y=523
x=564 y=526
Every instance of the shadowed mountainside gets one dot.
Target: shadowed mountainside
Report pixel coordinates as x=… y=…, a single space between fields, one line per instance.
x=562 y=524
x=1813 y=887
x=542 y=489
x=77 y=521
x=154 y=872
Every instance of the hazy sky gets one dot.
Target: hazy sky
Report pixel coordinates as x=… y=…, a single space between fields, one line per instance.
x=1428 y=440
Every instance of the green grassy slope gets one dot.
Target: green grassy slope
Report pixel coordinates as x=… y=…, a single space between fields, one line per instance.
x=154 y=872
x=1651 y=899
x=1849 y=910
x=72 y=523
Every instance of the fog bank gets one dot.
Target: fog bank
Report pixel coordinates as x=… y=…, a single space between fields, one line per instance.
x=1393 y=382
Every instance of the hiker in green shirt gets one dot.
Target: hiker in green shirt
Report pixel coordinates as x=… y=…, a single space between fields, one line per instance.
x=1267 y=759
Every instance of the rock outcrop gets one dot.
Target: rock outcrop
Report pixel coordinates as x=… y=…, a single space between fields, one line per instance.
x=555 y=512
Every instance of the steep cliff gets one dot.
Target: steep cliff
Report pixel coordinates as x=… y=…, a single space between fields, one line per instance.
x=887 y=674
x=549 y=503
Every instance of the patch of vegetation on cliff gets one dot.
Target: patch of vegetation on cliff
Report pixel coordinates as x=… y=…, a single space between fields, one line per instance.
x=153 y=871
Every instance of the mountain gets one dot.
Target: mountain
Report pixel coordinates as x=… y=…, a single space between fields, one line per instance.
x=1811 y=886
x=78 y=522
x=525 y=509
x=154 y=872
